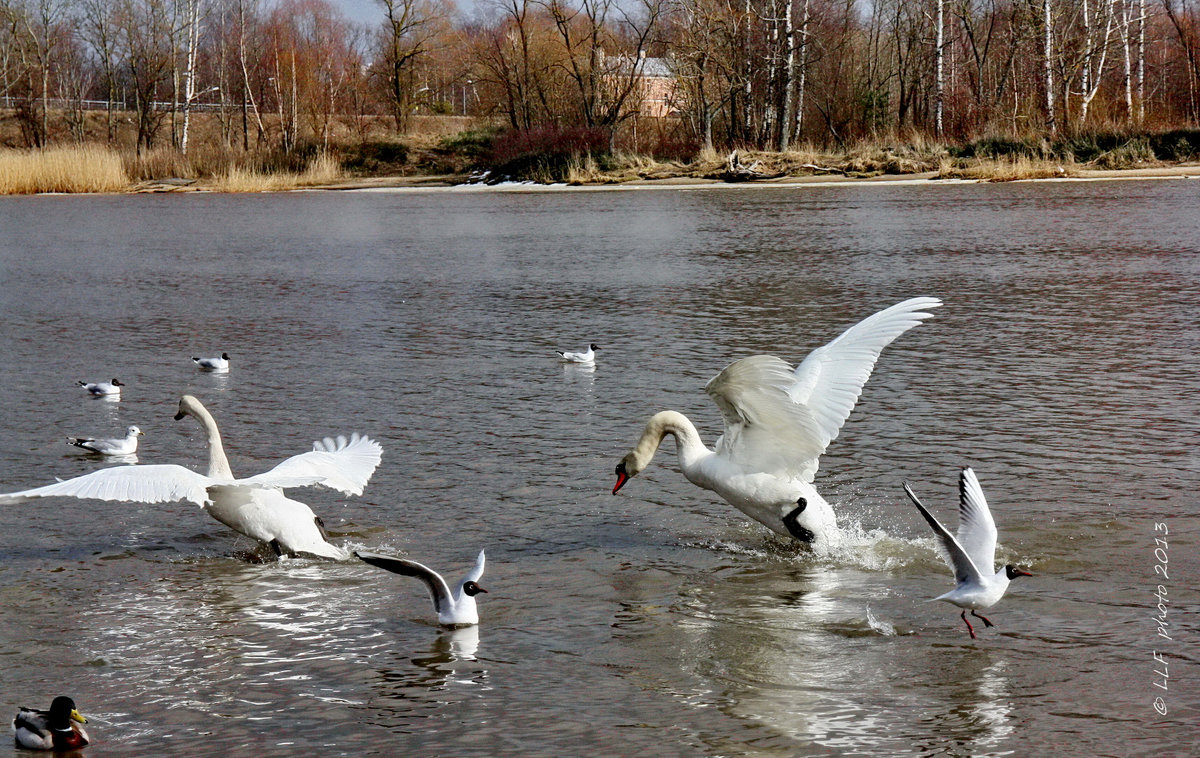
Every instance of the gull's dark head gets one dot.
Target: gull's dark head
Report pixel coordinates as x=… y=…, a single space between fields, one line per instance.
x=118 y=383
x=594 y=346
x=1012 y=572
x=472 y=589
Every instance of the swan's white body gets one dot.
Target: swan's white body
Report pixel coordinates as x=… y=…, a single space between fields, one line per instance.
x=102 y=389
x=587 y=356
x=255 y=506
x=126 y=445
x=453 y=608
x=778 y=422
x=972 y=553
x=219 y=365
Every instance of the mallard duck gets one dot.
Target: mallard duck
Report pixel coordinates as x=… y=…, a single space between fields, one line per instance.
x=55 y=729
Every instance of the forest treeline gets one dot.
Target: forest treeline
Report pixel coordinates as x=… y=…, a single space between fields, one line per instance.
x=661 y=77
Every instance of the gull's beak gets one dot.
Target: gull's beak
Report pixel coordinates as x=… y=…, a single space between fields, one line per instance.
x=481 y=589
x=76 y=716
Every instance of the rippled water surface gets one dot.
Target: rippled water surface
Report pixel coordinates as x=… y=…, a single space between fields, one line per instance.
x=660 y=622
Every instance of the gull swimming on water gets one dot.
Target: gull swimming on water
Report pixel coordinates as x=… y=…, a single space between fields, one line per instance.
x=452 y=609
x=972 y=552
x=254 y=506
x=587 y=356
x=219 y=365
x=101 y=389
x=778 y=422
x=126 y=445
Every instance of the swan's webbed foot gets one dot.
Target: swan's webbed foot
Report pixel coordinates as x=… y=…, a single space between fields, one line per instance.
x=793 y=526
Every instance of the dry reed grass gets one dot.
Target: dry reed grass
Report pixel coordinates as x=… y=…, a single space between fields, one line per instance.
x=1007 y=169
x=61 y=169
x=323 y=169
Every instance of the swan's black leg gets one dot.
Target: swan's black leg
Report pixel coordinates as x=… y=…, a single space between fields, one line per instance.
x=985 y=621
x=321 y=528
x=793 y=527
x=970 y=628
x=276 y=547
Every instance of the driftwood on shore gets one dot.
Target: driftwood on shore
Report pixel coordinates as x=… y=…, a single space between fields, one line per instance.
x=736 y=171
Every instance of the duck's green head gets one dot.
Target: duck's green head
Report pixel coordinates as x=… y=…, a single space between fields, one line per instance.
x=62 y=710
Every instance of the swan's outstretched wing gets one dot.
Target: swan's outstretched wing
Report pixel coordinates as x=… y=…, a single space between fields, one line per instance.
x=780 y=421
x=438 y=590
x=764 y=430
x=976 y=529
x=339 y=464
x=160 y=483
x=965 y=570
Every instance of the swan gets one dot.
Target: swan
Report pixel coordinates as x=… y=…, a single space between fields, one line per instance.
x=126 y=445
x=255 y=506
x=218 y=365
x=55 y=729
x=101 y=389
x=972 y=553
x=586 y=356
x=457 y=609
x=778 y=422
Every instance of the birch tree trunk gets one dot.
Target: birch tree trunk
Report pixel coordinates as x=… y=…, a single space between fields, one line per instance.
x=1047 y=53
x=789 y=77
x=802 y=76
x=189 y=72
x=941 y=46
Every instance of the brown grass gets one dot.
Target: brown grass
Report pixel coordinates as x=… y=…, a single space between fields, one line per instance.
x=1009 y=169
x=322 y=170
x=61 y=169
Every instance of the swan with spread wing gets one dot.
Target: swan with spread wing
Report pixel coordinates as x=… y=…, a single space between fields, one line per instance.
x=254 y=506
x=778 y=422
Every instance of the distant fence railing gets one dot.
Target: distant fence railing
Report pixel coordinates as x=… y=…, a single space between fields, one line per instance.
x=62 y=103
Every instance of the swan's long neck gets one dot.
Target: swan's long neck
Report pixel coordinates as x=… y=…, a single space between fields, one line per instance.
x=687 y=440
x=218 y=464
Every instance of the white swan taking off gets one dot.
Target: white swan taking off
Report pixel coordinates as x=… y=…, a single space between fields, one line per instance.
x=255 y=506
x=778 y=422
x=126 y=445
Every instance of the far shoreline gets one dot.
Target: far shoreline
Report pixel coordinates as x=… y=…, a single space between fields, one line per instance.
x=459 y=183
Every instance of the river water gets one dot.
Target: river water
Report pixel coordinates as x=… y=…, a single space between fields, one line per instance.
x=1062 y=368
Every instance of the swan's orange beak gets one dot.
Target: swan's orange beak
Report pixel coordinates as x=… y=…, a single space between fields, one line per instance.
x=622 y=477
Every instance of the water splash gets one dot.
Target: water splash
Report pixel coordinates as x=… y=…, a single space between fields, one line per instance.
x=883 y=627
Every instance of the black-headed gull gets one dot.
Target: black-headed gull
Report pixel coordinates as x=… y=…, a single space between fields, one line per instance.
x=778 y=422
x=453 y=609
x=220 y=364
x=101 y=389
x=55 y=729
x=587 y=356
x=126 y=445
x=972 y=553
x=255 y=506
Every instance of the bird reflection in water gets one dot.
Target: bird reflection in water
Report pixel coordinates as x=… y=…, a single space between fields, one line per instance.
x=449 y=662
